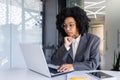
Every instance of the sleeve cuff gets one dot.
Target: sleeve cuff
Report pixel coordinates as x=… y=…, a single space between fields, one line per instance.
x=67 y=48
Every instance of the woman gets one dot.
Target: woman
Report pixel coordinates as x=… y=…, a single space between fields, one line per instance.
x=78 y=50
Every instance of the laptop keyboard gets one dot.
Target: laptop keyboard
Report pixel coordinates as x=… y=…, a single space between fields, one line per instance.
x=53 y=70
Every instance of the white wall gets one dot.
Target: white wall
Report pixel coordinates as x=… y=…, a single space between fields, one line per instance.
x=112 y=24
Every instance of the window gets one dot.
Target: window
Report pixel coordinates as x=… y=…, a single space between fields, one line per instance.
x=21 y=22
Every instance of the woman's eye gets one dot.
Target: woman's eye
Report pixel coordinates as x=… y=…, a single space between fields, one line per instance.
x=71 y=25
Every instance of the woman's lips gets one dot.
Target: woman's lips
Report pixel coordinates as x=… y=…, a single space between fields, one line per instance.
x=69 y=33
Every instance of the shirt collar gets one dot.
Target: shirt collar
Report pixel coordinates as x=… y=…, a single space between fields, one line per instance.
x=77 y=39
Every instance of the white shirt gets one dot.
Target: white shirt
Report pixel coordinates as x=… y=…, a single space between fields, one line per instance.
x=75 y=44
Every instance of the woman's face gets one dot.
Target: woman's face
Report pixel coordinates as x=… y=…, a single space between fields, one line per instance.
x=70 y=27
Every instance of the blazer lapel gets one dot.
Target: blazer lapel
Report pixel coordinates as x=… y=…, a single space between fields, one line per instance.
x=81 y=46
x=71 y=52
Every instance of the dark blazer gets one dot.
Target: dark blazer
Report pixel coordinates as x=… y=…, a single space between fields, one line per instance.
x=87 y=55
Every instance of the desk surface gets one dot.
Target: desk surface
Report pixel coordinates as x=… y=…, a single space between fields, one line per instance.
x=25 y=74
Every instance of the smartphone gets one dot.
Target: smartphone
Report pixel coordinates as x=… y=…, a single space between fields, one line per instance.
x=100 y=75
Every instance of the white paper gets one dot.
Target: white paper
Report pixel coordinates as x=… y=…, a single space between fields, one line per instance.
x=88 y=77
x=80 y=75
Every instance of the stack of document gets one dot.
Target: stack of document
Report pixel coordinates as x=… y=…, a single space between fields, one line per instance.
x=90 y=76
x=73 y=76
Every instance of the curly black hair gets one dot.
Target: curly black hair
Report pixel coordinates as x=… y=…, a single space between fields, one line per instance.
x=82 y=21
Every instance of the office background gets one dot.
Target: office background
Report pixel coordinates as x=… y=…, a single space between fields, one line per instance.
x=33 y=21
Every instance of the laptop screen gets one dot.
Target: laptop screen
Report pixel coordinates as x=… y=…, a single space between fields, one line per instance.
x=34 y=58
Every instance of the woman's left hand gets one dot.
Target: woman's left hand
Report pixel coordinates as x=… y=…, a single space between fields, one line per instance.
x=65 y=68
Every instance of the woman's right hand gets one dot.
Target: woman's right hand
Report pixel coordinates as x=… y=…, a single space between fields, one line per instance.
x=68 y=41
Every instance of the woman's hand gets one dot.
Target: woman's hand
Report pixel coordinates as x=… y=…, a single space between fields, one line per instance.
x=65 y=68
x=68 y=41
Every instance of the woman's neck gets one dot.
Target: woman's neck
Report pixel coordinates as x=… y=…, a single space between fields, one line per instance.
x=76 y=36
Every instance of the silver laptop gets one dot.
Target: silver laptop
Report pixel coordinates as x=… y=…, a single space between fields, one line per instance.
x=35 y=60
